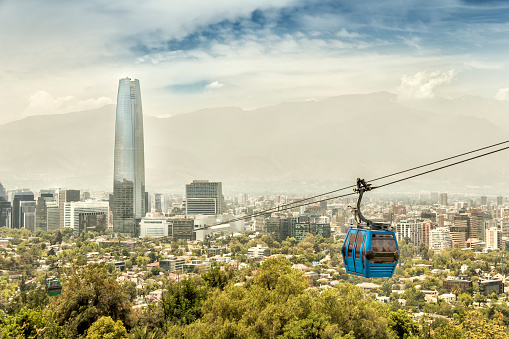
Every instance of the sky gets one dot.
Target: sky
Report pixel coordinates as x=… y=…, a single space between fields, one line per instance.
x=59 y=56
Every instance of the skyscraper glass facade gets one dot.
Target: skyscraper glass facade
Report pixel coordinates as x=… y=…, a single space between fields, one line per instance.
x=129 y=163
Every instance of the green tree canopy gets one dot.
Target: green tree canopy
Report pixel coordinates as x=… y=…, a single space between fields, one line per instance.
x=89 y=294
x=106 y=328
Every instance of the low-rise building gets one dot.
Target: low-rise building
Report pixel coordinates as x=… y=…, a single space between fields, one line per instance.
x=259 y=252
x=487 y=287
x=173 y=265
x=448 y=297
x=457 y=284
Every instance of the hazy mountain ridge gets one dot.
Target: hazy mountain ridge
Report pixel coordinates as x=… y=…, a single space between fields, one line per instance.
x=333 y=140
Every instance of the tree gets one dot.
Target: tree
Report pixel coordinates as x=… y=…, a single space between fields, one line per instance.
x=181 y=304
x=106 y=328
x=268 y=240
x=466 y=299
x=215 y=277
x=402 y=324
x=30 y=323
x=89 y=294
x=276 y=303
x=477 y=327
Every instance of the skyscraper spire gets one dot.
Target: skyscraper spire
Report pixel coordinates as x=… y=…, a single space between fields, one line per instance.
x=129 y=162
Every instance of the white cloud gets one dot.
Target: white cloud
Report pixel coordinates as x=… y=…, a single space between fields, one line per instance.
x=214 y=85
x=422 y=85
x=42 y=102
x=502 y=94
x=343 y=33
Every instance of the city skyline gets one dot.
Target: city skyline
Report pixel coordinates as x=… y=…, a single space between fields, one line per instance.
x=443 y=62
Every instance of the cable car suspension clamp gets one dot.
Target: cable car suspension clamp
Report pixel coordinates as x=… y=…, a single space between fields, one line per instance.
x=360 y=220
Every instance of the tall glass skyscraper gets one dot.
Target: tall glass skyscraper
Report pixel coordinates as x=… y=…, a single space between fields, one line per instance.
x=129 y=171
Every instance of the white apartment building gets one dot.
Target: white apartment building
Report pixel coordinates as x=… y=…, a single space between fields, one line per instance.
x=409 y=229
x=493 y=238
x=74 y=209
x=440 y=238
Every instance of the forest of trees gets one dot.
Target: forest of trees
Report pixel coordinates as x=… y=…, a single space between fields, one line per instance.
x=270 y=300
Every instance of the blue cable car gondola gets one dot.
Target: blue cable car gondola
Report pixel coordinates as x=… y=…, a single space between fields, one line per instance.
x=369 y=250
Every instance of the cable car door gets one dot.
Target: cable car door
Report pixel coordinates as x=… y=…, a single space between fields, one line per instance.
x=350 y=251
x=359 y=258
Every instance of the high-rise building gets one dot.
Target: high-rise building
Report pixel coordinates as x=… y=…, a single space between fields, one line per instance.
x=493 y=238
x=272 y=227
x=159 y=202
x=41 y=210
x=63 y=197
x=426 y=227
x=5 y=209
x=460 y=230
x=27 y=216
x=476 y=224
x=17 y=216
x=500 y=200
x=443 y=199
x=410 y=229
x=52 y=216
x=129 y=164
x=440 y=238
x=204 y=197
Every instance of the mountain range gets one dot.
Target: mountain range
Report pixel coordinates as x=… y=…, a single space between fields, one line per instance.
x=310 y=146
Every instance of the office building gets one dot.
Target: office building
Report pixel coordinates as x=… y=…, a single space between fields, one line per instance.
x=17 y=217
x=272 y=227
x=52 y=216
x=156 y=227
x=3 y=194
x=5 y=214
x=5 y=208
x=183 y=228
x=204 y=197
x=440 y=238
x=476 y=229
x=27 y=209
x=159 y=202
x=442 y=200
x=84 y=216
x=460 y=230
x=65 y=196
x=172 y=265
x=129 y=198
x=500 y=200
x=41 y=211
x=488 y=287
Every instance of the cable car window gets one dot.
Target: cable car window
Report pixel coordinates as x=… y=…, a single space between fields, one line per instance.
x=360 y=239
x=384 y=247
x=351 y=241
x=383 y=243
x=54 y=285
